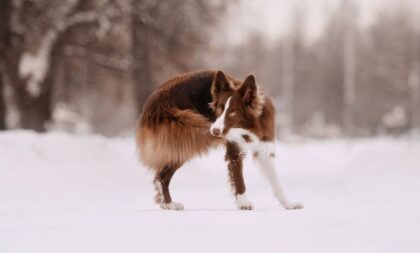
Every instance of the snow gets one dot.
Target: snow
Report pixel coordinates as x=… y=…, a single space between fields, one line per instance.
x=87 y=193
x=34 y=66
x=397 y=117
x=66 y=118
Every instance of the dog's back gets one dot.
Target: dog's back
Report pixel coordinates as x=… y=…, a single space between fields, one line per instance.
x=176 y=120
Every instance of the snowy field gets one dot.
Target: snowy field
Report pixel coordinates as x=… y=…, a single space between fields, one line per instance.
x=64 y=193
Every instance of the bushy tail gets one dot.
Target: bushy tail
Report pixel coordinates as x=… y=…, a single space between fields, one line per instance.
x=172 y=136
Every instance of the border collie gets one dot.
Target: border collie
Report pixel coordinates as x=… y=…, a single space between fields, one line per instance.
x=191 y=113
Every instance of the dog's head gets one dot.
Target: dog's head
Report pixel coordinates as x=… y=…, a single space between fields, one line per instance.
x=235 y=107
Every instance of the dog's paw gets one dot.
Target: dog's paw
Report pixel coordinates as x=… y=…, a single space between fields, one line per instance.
x=172 y=206
x=243 y=203
x=292 y=205
x=247 y=206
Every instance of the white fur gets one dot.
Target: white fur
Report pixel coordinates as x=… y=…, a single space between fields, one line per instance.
x=265 y=159
x=266 y=163
x=243 y=203
x=235 y=135
x=158 y=186
x=172 y=206
x=167 y=206
x=220 y=121
x=266 y=149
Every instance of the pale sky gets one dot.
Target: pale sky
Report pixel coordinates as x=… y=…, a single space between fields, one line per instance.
x=273 y=17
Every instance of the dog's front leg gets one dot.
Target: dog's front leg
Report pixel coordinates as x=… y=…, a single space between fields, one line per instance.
x=234 y=157
x=265 y=159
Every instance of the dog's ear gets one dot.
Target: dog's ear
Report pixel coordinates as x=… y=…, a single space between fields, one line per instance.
x=249 y=90
x=220 y=84
x=251 y=96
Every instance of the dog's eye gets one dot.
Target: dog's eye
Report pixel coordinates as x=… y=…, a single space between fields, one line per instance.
x=232 y=114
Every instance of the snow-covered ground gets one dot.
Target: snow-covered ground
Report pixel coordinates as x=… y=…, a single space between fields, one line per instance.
x=64 y=193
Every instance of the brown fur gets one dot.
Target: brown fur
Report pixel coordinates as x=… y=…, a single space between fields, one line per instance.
x=234 y=157
x=253 y=111
x=164 y=178
x=175 y=141
x=175 y=125
x=246 y=138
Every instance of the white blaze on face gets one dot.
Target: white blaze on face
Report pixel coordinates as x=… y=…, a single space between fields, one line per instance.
x=219 y=124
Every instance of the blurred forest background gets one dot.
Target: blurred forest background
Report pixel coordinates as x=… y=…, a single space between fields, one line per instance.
x=88 y=65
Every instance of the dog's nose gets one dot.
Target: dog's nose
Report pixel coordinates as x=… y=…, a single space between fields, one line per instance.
x=216 y=131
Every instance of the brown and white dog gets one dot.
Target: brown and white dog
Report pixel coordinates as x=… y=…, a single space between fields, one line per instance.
x=194 y=112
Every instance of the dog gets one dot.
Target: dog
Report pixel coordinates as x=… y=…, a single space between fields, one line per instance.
x=194 y=112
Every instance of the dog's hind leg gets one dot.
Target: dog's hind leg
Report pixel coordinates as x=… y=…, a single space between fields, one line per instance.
x=265 y=160
x=162 y=181
x=234 y=157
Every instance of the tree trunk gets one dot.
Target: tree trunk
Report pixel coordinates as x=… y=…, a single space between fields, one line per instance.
x=142 y=69
x=2 y=105
x=414 y=86
x=288 y=85
x=349 y=71
x=34 y=111
x=349 y=84
x=5 y=9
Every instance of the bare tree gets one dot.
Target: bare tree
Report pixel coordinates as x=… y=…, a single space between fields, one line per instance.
x=334 y=70
x=292 y=52
x=386 y=60
x=30 y=55
x=142 y=55
x=349 y=54
x=414 y=76
x=351 y=80
x=288 y=81
x=2 y=105
x=166 y=34
x=5 y=8
x=414 y=84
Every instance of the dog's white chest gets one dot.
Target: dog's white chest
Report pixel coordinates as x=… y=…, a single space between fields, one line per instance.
x=249 y=141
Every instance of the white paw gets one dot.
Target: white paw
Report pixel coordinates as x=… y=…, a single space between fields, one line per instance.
x=172 y=206
x=246 y=206
x=243 y=203
x=290 y=205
